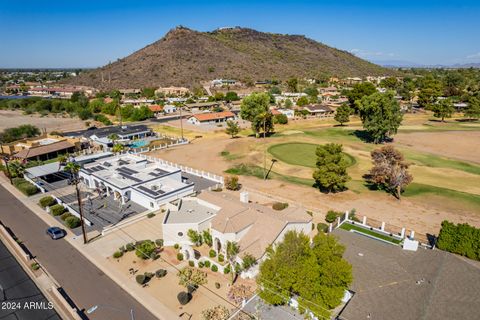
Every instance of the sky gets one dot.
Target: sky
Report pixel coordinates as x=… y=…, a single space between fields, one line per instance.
x=90 y=33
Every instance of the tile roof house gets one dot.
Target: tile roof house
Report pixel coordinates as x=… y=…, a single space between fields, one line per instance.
x=213 y=117
x=319 y=110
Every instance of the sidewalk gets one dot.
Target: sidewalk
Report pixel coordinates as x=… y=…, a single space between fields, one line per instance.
x=137 y=292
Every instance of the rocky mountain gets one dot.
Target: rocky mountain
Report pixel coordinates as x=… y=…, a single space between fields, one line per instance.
x=185 y=57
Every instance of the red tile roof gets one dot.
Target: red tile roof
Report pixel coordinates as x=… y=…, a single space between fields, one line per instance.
x=155 y=108
x=213 y=116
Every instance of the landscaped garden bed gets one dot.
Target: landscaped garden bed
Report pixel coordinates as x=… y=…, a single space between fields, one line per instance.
x=370 y=233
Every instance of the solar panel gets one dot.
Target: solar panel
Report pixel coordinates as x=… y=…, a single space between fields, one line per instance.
x=129 y=177
x=149 y=191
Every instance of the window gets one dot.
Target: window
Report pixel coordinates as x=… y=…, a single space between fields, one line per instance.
x=151 y=204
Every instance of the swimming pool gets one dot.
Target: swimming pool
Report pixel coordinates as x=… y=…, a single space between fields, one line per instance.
x=139 y=144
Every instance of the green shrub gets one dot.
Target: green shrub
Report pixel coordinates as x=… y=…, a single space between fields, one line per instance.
x=57 y=209
x=117 y=254
x=226 y=270
x=159 y=242
x=65 y=215
x=279 y=206
x=35 y=266
x=176 y=246
x=141 y=279
x=46 y=202
x=149 y=275
x=122 y=249
x=160 y=273
x=462 y=239
x=322 y=227
x=200 y=264
x=207 y=263
x=217 y=285
x=144 y=249
x=212 y=253
x=191 y=263
x=214 y=268
x=24 y=186
x=154 y=256
x=72 y=222
x=184 y=297
x=151 y=215
x=179 y=256
x=221 y=258
x=129 y=247
x=332 y=216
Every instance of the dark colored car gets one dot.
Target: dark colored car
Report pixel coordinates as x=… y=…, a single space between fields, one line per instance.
x=56 y=233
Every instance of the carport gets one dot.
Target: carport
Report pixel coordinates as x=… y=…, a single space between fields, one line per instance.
x=49 y=176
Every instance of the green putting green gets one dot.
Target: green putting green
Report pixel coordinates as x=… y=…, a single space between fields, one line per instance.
x=300 y=154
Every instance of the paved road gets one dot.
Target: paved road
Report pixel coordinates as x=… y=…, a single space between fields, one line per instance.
x=18 y=293
x=84 y=282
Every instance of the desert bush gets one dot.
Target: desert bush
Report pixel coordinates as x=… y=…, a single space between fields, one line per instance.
x=279 y=206
x=212 y=253
x=332 y=216
x=46 y=202
x=151 y=215
x=35 y=266
x=117 y=254
x=179 y=256
x=57 y=209
x=191 y=263
x=154 y=256
x=231 y=183
x=221 y=258
x=176 y=246
x=207 y=263
x=217 y=285
x=214 y=268
x=200 y=264
x=141 y=279
x=226 y=270
x=322 y=227
x=72 y=222
x=184 y=297
x=65 y=215
x=130 y=247
x=145 y=249
x=159 y=242
x=160 y=273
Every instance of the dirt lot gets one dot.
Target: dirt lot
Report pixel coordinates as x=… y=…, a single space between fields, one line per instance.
x=458 y=145
x=9 y=119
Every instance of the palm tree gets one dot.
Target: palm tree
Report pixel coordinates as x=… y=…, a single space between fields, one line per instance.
x=117 y=148
x=73 y=168
x=113 y=137
x=232 y=251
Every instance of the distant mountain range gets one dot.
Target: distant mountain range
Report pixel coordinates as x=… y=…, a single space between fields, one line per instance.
x=185 y=57
x=409 y=64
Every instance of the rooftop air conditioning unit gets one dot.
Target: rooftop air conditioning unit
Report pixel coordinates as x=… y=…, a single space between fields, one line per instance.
x=154 y=187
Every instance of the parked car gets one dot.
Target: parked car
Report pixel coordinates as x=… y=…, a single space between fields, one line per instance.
x=56 y=233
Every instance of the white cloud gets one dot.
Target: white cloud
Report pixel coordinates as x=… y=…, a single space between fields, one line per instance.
x=369 y=54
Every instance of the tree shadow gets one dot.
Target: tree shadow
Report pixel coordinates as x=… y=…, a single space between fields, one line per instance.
x=432 y=239
x=466 y=120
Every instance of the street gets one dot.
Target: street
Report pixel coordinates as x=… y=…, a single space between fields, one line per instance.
x=86 y=285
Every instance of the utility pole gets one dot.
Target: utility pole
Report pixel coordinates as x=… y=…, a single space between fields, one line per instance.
x=181 y=121
x=264 y=149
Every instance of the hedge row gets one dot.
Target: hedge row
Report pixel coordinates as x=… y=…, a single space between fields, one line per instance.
x=461 y=239
x=24 y=186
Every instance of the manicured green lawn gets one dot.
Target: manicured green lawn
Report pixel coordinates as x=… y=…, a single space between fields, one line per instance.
x=431 y=160
x=348 y=227
x=418 y=189
x=300 y=154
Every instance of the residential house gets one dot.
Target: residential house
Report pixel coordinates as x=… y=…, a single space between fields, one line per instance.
x=156 y=109
x=290 y=113
x=175 y=91
x=203 y=106
x=319 y=110
x=210 y=118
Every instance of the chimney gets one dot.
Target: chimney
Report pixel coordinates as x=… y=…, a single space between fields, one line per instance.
x=244 y=197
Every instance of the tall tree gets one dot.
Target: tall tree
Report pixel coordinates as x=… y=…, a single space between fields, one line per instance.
x=473 y=109
x=331 y=173
x=389 y=83
x=342 y=115
x=302 y=101
x=316 y=275
x=292 y=84
x=233 y=249
x=256 y=109
x=380 y=114
x=443 y=109
x=232 y=128
x=359 y=91
x=390 y=170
